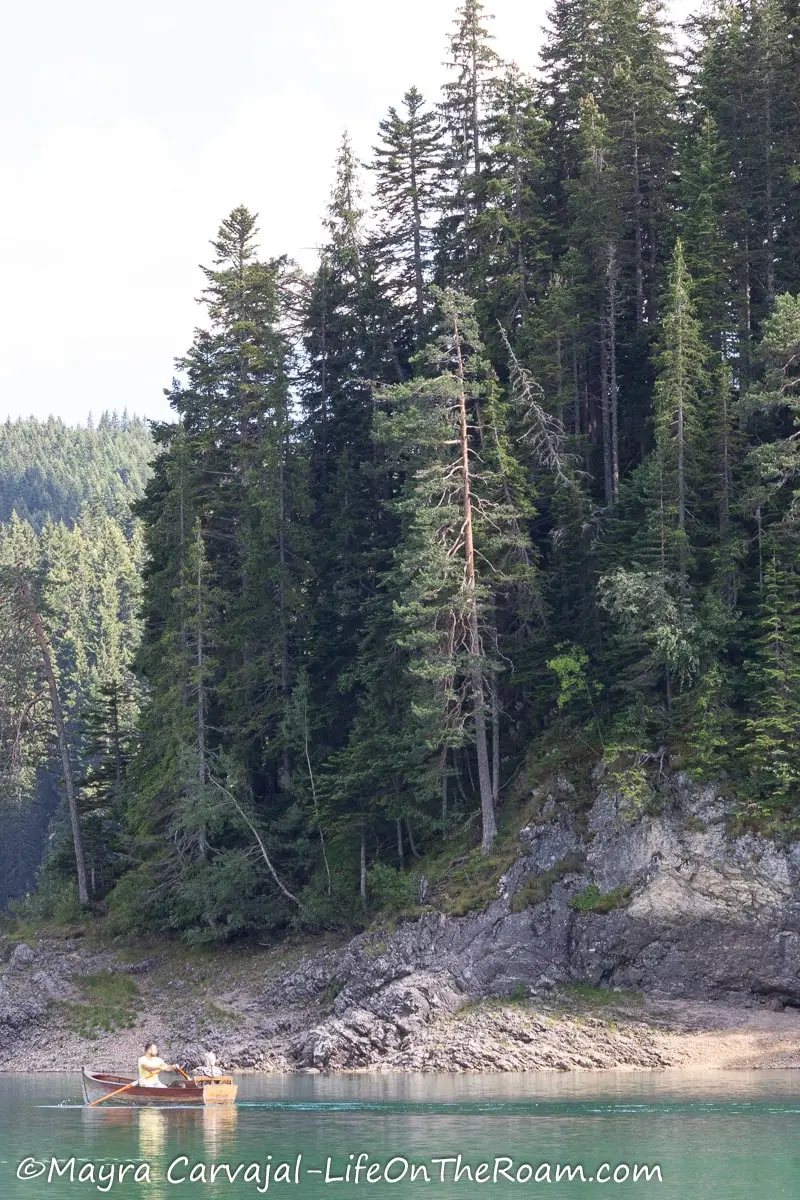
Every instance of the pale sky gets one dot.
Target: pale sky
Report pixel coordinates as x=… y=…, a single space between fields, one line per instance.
x=131 y=127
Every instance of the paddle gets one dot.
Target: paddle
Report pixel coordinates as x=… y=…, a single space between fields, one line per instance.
x=183 y=1073
x=110 y=1094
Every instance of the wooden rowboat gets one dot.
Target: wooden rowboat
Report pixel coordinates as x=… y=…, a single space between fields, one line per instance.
x=202 y=1090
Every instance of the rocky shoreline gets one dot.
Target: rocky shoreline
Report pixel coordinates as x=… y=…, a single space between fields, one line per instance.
x=422 y=1027
x=612 y=943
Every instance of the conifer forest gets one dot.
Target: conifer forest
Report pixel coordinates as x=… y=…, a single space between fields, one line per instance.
x=512 y=476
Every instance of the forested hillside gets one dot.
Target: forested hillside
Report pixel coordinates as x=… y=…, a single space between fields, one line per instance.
x=66 y=495
x=512 y=474
x=49 y=470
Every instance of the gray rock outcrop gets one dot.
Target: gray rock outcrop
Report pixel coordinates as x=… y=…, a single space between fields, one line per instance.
x=702 y=915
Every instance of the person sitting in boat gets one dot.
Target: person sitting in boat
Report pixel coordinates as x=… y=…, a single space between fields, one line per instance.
x=210 y=1067
x=150 y=1066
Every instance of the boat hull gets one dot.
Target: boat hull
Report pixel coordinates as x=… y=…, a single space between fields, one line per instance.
x=100 y=1084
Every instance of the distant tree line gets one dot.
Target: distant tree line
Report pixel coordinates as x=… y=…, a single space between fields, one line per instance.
x=73 y=559
x=50 y=471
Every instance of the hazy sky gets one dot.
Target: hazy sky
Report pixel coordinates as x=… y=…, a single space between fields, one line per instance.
x=129 y=129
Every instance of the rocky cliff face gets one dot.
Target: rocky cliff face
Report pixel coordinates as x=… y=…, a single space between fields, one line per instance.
x=699 y=915
x=691 y=914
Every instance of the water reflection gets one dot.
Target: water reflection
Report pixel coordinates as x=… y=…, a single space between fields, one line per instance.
x=219 y=1128
x=152 y=1133
x=152 y=1139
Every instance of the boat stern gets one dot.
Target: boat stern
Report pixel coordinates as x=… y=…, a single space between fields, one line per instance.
x=219 y=1093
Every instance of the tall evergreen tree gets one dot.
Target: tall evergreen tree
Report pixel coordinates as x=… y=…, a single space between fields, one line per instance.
x=462 y=534
x=230 y=490
x=350 y=346
x=407 y=165
x=773 y=694
x=466 y=99
x=680 y=385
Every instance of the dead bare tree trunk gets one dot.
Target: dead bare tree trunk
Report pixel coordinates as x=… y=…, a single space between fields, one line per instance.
x=363 y=871
x=411 y=842
x=259 y=840
x=58 y=718
x=489 y=825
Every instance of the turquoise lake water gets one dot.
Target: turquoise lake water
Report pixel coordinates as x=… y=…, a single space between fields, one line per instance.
x=724 y=1135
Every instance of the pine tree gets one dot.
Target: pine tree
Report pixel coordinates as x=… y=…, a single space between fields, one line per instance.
x=773 y=675
x=743 y=73
x=17 y=588
x=461 y=534
x=24 y=722
x=771 y=410
x=704 y=186
x=512 y=235
x=348 y=333
x=596 y=230
x=407 y=165
x=229 y=490
x=681 y=381
x=466 y=97
x=610 y=96
x=108 y=742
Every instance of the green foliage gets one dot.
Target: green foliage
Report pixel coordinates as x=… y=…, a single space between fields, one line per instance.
x=84 y=581
x=391 y=888
x=538 y=888
x=569 y=668
x=770 y=730
x=214 y=1016
x=54 y=902
x=336 y=906
x=591 y=899
x=471 y=886
x=133 y=906
x=600 y=997
x=711 y=734
x=109 y=1003
x=661 y=625
x=407 y=165
x=331 y=990
x=627 y=775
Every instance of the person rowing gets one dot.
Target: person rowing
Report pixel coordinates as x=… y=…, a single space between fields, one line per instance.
x=150 y=1066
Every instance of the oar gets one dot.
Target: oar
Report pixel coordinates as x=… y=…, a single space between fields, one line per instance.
x=110 y=1094
x=183 y=1073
